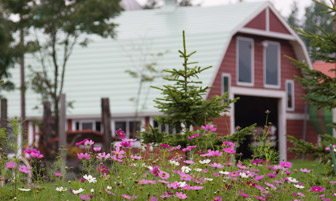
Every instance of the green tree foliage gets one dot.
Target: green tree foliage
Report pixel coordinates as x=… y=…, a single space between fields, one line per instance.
x=321 y=89
x=183 y=104
x=317 y=20
x=8 y=54
x=59 y=25
x=152 y=4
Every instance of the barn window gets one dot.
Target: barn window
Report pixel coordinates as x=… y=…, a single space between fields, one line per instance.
x=245 y=61
x=271 y=64
x=290 y=94
x=129 y=126
x=225 y=83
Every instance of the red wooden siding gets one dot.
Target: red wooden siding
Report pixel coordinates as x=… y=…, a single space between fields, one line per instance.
x=288 y=71
x=223 y=125
x=258 y=22
x=276 y=25
x=295 y=128
x=69 y=124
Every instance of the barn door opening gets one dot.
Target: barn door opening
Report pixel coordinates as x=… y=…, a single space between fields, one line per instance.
x=251 y=109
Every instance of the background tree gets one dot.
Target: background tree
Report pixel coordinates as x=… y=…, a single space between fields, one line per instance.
x=320 y=88
x=316 y=17
x=8 y=54
x=152 y=4
x=59 y=26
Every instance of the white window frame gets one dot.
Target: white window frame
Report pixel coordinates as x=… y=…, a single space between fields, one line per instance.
x=222 y=86
x=293 y=97
x=265 y=43
x=127 y=120
x=252 y=61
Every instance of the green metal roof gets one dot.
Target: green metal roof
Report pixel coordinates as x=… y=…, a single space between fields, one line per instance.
x=98 y=70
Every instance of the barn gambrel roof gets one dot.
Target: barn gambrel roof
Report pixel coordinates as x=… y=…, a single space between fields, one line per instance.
x=98 y=70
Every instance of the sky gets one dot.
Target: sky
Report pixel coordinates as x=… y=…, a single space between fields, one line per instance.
x=283 y=6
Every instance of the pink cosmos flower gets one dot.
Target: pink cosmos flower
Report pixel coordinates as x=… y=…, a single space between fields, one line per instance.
x=286 y=164
x=209 y=128
x=184 y=176
x=164 y=145
x=260 y=188
x=188 y=162
x=216 y=165
x=84 y=197
x=102 y=169
x=301 y=194
x=193 y=136
x=217 y=198
x=260 y=198
x=126 y=196
x=97 y=149
x=143 y=181
x=103 y=155
x=120 y=133
x=89 y=143
x=11 y=165
x=244 y=194
x=34 y=153
x=258 y=177
x=189 y=148
x=118 y=153
x=270 y=185
x=175 y=148
x=166 y=195
x=126 y=144
x=25 y=169
x=57 y=174
x=163 y=175
x=212 y=153
x=135 y=157
x=243 y=167
x=317 y=189
x=81 y=142
x=229 y=151
x=155 y=171
x=196 y=188
x=305 y=170
x=271 y=175
x=181 y=195
x=153 y=199
x=85 y=156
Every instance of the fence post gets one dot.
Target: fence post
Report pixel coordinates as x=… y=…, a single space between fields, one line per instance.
x=106 y=121
x=4 y=120
x=62 y=133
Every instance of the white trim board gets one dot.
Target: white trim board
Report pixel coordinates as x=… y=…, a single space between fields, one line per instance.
x=281 y=95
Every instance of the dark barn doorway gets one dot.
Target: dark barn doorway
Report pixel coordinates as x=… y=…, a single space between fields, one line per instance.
x=251 y=109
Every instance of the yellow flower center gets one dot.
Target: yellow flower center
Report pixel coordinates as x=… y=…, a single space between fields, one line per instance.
x=181 y=196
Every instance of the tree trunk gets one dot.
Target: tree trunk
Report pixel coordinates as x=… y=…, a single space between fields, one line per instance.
x=4 y=120
x=47 y=129
x=106 y=123
x=62 y=133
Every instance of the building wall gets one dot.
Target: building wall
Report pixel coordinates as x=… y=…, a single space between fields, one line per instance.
x=295 y=128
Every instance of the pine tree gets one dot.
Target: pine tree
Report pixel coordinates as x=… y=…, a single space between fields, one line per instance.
x=183 y=103
x=320 y=88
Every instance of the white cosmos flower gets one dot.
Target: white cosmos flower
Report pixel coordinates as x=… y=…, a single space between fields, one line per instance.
x=206 y=161
x=174 y=162
x=182 y=184
x=292 y=180
x=185 y=169
x=92 y=190
x=61 y=189
x=243 y=175
x=298 y=186
x=208 y=179
x=224 y=172
x=90 y=179
x=77 y=191
x=198 y=169
x=24 y=189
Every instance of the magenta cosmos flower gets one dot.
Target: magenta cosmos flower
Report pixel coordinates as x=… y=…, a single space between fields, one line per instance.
x=317 y=189
x=209 y=128
x=120 y=133
x=81 y=142
x=163 y=175
x=181 y=195
x=11 y=165
x=286 y=164
x=85 y=156
x=127 y=196
x=25 y=169
x=34 y=153
x=217 y=198
x=97 y=148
